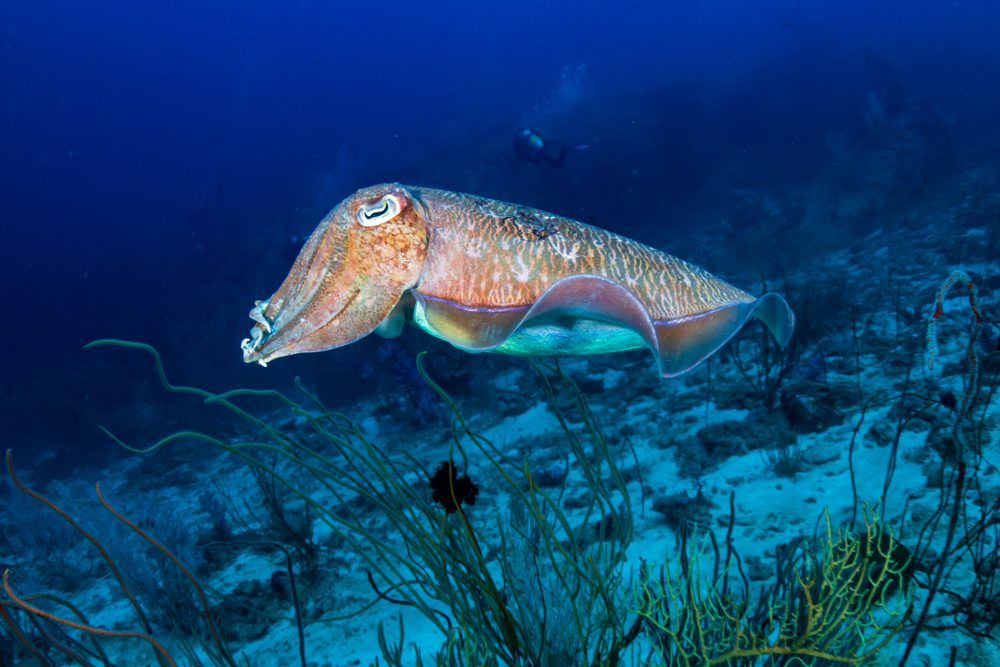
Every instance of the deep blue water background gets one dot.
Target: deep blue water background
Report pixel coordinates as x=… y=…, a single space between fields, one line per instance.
x=158 y=159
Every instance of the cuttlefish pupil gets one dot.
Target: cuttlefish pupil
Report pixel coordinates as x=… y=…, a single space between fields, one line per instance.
x=369 y=214
x=454 y=266
x=384 y=210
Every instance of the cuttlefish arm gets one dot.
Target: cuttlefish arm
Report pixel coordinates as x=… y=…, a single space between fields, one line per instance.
x=348 y=280
x=489 y=276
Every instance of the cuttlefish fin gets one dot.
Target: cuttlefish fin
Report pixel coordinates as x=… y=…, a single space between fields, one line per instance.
x=597 y=299
x=775 y=313
x=590 y=314
x=544 y=327
x=685 y=342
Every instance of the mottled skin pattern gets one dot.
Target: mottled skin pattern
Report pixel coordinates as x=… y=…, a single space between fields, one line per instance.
x=491 y=276
x=487 y=253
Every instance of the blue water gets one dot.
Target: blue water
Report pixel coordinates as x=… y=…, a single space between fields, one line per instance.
x=158 y=159
x=162 y=163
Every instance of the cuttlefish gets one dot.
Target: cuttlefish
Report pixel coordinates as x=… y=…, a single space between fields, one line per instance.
x=488 y=276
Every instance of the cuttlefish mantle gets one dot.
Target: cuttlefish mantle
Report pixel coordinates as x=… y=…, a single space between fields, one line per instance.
x=489 y=276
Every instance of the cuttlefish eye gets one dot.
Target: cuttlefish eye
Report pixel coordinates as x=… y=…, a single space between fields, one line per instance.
x=385 y=209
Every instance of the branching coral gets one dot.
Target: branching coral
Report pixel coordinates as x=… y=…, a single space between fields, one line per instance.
x=47 y=622
x=501 y=593
x=518 y=579
x=840 y=600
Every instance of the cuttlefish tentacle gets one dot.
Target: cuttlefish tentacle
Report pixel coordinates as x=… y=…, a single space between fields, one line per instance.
x=490 y=276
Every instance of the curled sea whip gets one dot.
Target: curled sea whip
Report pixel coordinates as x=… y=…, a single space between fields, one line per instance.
x=488 y=276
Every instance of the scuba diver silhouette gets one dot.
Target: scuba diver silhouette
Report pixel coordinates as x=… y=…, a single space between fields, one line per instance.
x=530 y=147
